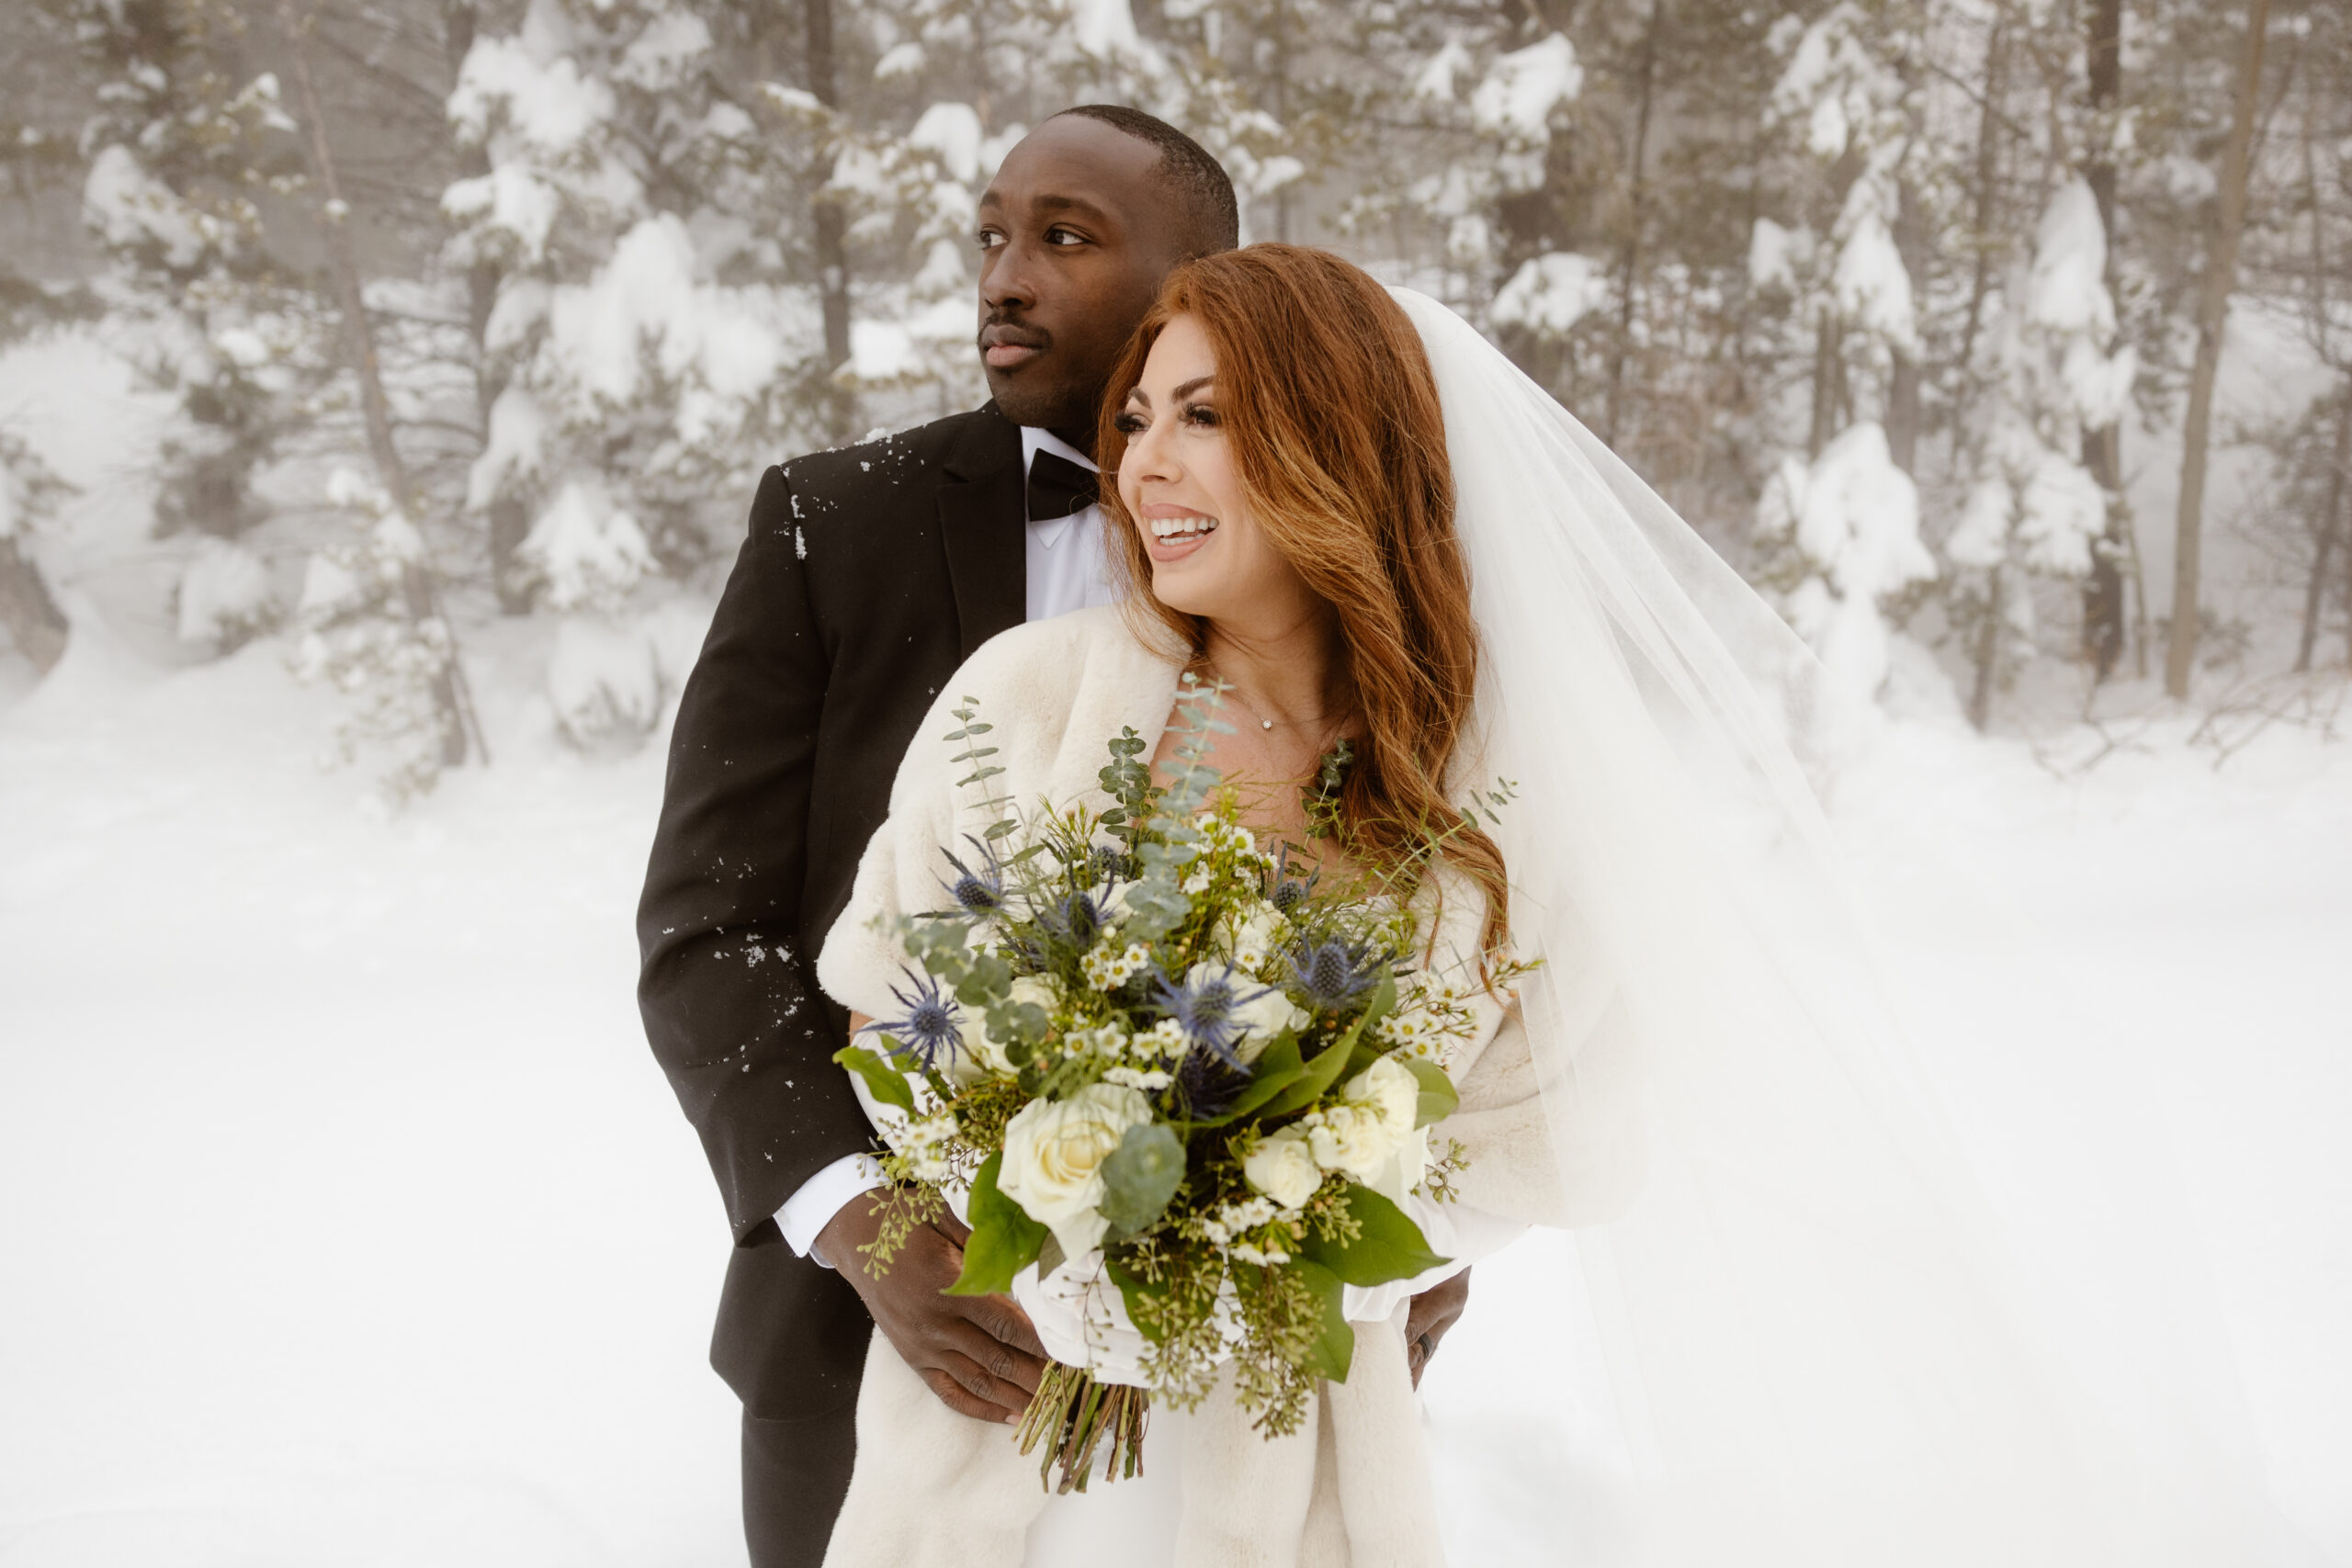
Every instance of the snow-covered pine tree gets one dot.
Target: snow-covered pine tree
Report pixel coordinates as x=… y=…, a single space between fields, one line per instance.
x=1840 y=524
x=30 y=491
x=186 y=143
x=2032 y=509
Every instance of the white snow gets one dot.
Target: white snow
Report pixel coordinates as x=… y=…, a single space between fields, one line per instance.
x=130 y=207
x=1854 y=519
x=604 y=681
x=591 y=552
x=1523 y=87
x=224 y=593
x=348 y=1221
x=1551 y=293
x=951 y=133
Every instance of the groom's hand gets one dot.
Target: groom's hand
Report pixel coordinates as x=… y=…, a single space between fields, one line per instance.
x=978 y=1353
x=1428 y=1318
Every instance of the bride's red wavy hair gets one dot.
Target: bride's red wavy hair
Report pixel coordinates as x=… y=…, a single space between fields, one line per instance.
x=1328 y=401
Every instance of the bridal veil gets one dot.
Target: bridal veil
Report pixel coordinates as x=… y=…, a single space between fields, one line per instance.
x=1819 y=1349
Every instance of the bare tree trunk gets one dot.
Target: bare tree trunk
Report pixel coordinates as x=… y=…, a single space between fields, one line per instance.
x=30 y=615
x=509 y=521
x=1988 y=652
x=2103 y=608
x=1988 y=164
x=1829 y=380
x=1904 y=378
x=2213 y=313
x=2331 y=526
x=416 y=585
x=832 y=253
x=1629 y=267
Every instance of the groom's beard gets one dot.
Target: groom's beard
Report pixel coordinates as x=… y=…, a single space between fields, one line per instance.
x=1037 y=391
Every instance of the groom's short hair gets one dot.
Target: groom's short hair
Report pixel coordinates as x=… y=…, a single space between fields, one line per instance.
x=1213 y=218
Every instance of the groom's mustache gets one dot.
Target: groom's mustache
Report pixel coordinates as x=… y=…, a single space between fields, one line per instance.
x=1000 y=332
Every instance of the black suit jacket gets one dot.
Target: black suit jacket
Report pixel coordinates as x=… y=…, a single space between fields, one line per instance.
x=870 y=573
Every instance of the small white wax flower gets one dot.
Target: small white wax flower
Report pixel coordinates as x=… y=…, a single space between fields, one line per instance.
x=1282 y=1167
x=1053 y=1151
x=1252 y=935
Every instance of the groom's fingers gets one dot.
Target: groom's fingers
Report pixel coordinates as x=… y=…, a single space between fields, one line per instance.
x=1003 y=1399
x=953 y=1395
x=1000 y=1318
x=1007 y=1363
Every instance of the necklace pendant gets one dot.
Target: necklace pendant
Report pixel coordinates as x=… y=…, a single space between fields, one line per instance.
x=1265 y=724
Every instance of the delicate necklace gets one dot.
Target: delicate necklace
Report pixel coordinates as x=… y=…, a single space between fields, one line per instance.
x=1249 y=708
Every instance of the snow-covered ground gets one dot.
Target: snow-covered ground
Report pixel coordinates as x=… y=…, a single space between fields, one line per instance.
x=345 y=1220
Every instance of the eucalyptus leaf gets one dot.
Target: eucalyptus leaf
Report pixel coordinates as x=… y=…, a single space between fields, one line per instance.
x=1140 y=1175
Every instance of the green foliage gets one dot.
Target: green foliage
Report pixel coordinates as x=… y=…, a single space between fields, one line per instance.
x=883 y=1081
x=1370 y=1242
x=1005 y=1240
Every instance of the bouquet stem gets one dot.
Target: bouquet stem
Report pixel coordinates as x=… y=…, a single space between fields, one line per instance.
x=1078 y=1416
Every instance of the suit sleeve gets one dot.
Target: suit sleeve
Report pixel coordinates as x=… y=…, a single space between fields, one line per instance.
x=730 y=1000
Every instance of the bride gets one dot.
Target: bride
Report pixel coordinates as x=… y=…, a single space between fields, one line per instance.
x=1412 y=573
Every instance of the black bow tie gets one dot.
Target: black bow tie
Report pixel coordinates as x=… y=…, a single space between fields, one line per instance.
x=1058 y=487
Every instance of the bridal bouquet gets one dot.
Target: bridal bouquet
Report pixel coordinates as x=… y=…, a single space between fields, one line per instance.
x=1174 y=1077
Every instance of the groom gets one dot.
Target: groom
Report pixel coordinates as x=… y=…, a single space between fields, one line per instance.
x=869 y=573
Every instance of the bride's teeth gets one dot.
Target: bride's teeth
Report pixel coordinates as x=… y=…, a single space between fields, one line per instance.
x=1176 y=527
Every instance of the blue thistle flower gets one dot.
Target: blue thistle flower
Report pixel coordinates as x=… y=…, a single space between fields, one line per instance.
x=1075 y=918
x=978 y=891
x=1331 y=974
x=1286 y=892
x=1205 y=1009
x=932 y=1023
x=1109 y=865
x=1207 y=1086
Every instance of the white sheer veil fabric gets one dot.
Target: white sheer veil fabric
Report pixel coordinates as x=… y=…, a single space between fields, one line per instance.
x=1817 y=1349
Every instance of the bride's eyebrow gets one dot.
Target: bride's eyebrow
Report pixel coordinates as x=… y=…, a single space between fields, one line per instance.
x=1138 y=395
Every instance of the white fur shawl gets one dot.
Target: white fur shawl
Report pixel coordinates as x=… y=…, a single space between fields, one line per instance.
x=1351 y=1490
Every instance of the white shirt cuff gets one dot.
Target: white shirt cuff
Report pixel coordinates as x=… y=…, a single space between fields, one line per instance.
x=807 y=1212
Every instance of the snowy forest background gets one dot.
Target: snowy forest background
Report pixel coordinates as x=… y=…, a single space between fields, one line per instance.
x=383 y=384
x=448 y=311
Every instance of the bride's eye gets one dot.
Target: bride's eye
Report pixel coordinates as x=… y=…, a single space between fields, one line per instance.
x=1129 y=424
x=1202 y=415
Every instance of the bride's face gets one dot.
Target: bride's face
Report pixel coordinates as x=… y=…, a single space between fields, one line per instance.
x=1209 y=557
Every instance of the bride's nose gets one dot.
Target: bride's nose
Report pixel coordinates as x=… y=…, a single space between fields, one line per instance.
x=1149 y=457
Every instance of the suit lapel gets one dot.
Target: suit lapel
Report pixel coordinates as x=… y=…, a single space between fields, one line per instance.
x=982 y=518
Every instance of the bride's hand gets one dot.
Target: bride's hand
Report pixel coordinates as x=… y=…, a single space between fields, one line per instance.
x=1430 y=1315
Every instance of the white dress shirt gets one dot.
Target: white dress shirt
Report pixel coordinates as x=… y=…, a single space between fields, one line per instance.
x=1064 y=559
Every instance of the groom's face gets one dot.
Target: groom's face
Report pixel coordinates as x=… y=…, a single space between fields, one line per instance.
x=1076 y=232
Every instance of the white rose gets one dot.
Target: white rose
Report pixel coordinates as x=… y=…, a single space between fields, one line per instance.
x=1389 y=1090
x=1282 y=1168
x=1053 y=1151
x=1354 y=1140
x=1403 y=1170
